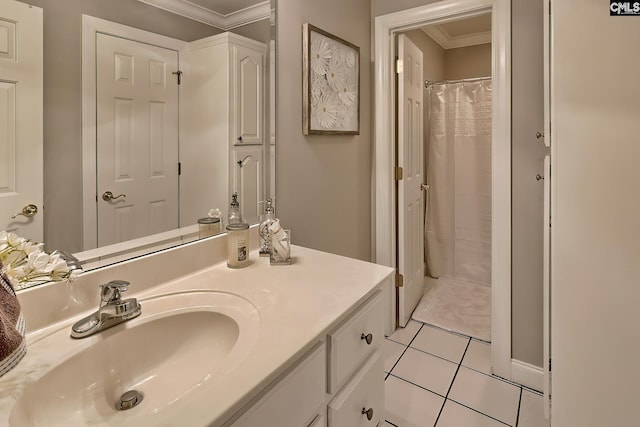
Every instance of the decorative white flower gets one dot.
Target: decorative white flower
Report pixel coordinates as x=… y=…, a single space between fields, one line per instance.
x=38 y=261
x=347 y=92
x=325 y=112
x=25 y=263
x=345 y=117
x=320 y=56
x=350 y=58
x=336 y=74
x=319 y=86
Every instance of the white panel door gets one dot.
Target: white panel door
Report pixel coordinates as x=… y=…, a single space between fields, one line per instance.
x=410 y=196
x=248 y=180
x=20 y=118
x=249 y=95
x=137 y=139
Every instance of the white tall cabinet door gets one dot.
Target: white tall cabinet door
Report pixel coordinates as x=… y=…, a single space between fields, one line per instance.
x=21 y=118
x=410 y=195
x=595 y=209
x=248 y=75
x=248 y=180
x=137 y=139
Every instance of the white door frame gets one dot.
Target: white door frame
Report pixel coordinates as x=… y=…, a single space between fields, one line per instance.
x=384 y=194
x=90 y=26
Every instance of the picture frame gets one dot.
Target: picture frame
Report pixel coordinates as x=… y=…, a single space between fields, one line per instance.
x=331 y=84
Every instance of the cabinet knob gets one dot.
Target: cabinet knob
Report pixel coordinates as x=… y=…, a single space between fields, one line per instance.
x=539 y=135
x=368 y=338
x=239 y=138
x=539 y=177
x=368 y=413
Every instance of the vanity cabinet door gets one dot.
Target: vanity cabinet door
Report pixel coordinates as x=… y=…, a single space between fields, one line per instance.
x=294 y=399
x=361 y=398
x=354 y=341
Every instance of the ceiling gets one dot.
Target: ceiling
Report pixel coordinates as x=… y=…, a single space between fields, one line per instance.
x=461 y=33
x=222 y=14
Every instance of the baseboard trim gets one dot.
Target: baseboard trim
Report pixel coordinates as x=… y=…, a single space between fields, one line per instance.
x=528 y=375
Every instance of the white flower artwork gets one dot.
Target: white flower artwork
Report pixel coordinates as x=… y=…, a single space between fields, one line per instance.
x=331 y=84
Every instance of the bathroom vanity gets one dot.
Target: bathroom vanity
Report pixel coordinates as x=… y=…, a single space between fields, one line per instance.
x=279 y=346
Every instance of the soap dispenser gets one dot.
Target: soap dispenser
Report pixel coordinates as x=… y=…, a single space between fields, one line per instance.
x=234 y=210
x=267 y=220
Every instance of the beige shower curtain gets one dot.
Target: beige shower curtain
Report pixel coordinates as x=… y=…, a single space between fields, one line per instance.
x=458 y=213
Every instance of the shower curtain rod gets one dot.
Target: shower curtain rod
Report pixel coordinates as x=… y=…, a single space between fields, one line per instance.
x=428 y=83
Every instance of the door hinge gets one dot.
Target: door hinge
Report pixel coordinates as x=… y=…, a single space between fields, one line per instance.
x=179 y=168
x=399 y=66
x=179 y=74
x=399 y=280
x=399 y=173
x=549 y=365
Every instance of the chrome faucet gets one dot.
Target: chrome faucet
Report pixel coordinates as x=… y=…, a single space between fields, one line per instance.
x=111 y=311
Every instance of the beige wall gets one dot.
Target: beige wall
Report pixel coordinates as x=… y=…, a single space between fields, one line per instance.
x=467 y=62
x=527 y=192
x=323 y=183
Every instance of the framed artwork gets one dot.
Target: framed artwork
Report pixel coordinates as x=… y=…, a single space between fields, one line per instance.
x=330 y=84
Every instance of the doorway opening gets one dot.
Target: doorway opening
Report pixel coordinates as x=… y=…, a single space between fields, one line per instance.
x=387 y=244
x=454 y=135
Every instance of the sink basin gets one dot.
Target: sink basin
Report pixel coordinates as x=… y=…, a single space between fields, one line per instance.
x=175 y=348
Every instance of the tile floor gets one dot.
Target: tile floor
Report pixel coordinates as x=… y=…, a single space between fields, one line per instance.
x=438 y=378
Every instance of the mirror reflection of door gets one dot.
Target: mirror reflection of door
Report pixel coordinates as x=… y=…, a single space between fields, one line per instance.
x=21 y=119
x=137 y=139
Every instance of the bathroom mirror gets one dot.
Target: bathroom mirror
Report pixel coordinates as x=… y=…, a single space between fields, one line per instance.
x=71 y=186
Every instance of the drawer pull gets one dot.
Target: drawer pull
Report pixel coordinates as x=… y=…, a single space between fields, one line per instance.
x=368 y=338
x=368 y=413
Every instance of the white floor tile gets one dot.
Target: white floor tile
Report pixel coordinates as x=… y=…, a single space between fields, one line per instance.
x=410 y=406
x=478 y=357
x=440 y=343
x=425 y=370
x=406 y=334
x=391 y=351
x=486 y=394
x=531 y=410
x=454 y=415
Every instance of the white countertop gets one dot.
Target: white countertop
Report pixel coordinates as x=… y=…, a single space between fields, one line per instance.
x=297 y=305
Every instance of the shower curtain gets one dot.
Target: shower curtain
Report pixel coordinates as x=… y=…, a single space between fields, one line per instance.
x=458 y=210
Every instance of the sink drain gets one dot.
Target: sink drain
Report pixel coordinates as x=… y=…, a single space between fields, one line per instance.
x=128 y=400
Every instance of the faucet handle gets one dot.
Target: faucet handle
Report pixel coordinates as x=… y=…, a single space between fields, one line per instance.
x=111 y=291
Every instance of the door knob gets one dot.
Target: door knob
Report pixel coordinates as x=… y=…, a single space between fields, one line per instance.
x=108 y=196
x=368 y=413
x=29 y=211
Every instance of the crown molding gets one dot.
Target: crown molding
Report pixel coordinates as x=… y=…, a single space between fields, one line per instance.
x=440 y=36
x=224 y=22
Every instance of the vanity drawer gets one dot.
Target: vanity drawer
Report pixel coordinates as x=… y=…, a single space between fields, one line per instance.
x=364 y=393
x=294 y=399
x=348 y=345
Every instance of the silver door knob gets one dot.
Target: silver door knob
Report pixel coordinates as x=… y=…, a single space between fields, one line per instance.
x=29 y=211
x=108 y=196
